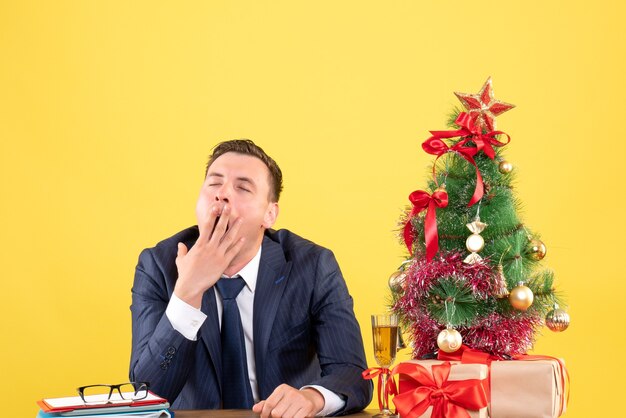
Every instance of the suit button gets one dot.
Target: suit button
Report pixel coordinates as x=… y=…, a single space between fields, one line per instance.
x=163 y=366
x=171 y=350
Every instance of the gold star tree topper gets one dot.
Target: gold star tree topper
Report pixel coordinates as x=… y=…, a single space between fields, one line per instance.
x=483 y=107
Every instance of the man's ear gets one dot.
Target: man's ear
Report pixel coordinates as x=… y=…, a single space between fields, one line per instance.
x=270 y=215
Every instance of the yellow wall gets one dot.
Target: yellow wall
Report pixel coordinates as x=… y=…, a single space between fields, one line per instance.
x=108 y=110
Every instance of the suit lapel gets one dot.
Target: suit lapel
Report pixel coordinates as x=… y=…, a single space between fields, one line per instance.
x=271 y=281
x=210 y=332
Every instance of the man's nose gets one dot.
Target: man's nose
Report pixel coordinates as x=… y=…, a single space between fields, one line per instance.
x=223 y=194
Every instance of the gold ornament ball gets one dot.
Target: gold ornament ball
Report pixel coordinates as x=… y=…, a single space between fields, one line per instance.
x=474 y=243
x=537 y=249
x=396 y=281
x=521 y=297
x=505 y=167
x=557 y=320
x=449 y=340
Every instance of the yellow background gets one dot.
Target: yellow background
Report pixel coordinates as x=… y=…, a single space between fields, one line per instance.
x=108 y=110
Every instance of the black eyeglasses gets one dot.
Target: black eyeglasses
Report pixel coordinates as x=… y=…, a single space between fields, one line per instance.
x=120 y=393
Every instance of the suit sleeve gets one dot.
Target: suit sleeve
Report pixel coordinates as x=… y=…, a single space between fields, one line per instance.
x=338 y=337
x=160 y=355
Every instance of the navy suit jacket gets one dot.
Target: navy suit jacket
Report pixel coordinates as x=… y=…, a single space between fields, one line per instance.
x=304 y=328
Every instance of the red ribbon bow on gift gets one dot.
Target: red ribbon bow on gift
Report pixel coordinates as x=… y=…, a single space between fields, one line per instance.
x=449 y=399
x=484 y=142
x=467 y=355
x=422 y=200
x=391 y=389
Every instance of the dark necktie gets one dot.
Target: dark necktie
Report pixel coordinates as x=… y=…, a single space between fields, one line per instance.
x=236 y=392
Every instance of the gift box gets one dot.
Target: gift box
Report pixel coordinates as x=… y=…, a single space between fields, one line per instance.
x=438 y=389
x=528 y=388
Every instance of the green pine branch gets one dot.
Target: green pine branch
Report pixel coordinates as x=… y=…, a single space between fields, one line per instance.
x=451 y=301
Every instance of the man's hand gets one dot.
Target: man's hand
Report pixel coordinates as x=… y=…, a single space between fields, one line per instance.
x=202 y=266
x=289 y=402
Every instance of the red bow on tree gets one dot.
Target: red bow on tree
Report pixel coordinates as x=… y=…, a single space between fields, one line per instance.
x=436 y=146
x=484 y=142
x=422 y=200
x=449 y=399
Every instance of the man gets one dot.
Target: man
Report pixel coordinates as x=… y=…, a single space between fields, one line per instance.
x=287 y=345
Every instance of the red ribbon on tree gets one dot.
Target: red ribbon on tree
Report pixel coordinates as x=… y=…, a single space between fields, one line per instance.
x=436 y=146
x=372 y=372
x=422 y=200
x=468 y=127
x=484 y=142
x=449 y=399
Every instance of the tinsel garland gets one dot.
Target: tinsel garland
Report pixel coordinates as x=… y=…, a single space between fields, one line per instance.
x=423 y=274
x=503 y=333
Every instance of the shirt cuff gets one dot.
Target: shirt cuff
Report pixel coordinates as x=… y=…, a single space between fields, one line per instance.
x=184 y=318
x=332 y=401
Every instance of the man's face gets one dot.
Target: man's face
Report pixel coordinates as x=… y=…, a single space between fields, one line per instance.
x=243 y=183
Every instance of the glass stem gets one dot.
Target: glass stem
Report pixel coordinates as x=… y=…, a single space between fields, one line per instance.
x=383 y=382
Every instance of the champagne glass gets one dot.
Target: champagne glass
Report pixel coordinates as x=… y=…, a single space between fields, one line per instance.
x=385 y=335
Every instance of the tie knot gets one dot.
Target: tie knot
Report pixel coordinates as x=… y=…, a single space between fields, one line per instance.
x=230 y=288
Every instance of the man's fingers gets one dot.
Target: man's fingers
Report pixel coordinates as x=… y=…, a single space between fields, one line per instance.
x=182 y=250
x=290 y=409
x=286 y=401
x=208 y=224
x=232 y=234
x=272 y=402
x=258 y=407
x=234 y=249
x=221 y=225
x=303 y=413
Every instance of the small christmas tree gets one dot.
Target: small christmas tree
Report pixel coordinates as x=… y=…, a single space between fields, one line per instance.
x=473 y=274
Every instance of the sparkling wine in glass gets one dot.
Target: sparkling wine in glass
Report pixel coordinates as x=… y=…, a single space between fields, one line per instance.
x=385 y=335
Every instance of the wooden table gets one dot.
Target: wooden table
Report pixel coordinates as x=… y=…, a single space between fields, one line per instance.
x=244 y=413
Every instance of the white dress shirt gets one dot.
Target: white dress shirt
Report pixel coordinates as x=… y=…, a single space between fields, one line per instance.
x=187 y=320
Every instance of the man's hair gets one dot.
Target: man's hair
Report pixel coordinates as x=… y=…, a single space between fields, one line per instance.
x=247 y=147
